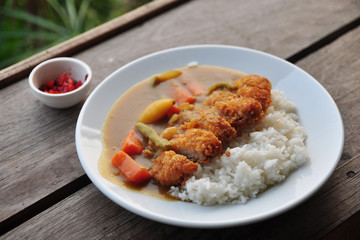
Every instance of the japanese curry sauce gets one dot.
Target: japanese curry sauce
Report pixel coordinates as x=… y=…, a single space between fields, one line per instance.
x=128 y=108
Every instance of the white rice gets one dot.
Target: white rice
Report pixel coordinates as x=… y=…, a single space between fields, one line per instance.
x=264 y=155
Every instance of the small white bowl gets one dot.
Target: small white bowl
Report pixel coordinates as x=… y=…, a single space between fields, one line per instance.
x=50 y=70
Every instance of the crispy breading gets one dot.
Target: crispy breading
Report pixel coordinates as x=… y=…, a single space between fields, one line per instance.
x=188 y=114
x=254 y=80
x=261 y=95
x=209 y=120
x=197 y=144
x=239 y=111
x=170 y=168
x=257 y=87
x=217 y=96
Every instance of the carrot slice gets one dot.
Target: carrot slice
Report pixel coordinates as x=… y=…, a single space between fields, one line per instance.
x=132 y=144
x=133 y=171
x=182 y=96
x=194 y=87
x=173 y=110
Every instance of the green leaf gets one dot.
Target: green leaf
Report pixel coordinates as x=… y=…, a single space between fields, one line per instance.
x=40 y=35
x=71 y=10
x=83 y=9
x=60 y=10
x=39 y=21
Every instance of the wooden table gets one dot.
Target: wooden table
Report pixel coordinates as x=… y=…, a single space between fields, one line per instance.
x=45 y=193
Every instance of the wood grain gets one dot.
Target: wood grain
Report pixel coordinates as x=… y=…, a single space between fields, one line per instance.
x=37 y=149
x=347 y=230
x=341 y=78
x=87 y=39
x=89 y=214
x=271 y=26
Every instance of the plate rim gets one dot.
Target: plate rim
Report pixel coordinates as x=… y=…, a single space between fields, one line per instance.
x=177 y=222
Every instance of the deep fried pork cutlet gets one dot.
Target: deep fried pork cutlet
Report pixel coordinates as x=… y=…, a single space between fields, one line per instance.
x=222 y=117
x=217 y=96
x=170 y=168
x=256 y=87
x=254 y=80
x=261 y=95
x=239 y=111
x=210 y=121
x=206 y=127
x=188 y=114
x=197 y=144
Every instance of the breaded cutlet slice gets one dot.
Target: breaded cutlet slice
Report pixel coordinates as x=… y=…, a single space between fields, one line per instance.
x=261 y=95
x=210 y=121
x=187 y=114
x=254 y=80
x=239 y=111
x=198 y=145
x=170 y=168
x=219 y=95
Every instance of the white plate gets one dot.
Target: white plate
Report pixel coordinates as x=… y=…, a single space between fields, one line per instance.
x=317 y=111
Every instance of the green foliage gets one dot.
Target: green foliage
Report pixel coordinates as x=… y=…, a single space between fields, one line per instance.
x=30 y=26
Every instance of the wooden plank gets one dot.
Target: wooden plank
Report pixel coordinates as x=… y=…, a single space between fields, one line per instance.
x=39 y=156
x=348 y=230
x=232 y=22
x=87 y=39
x=340 y=76
x=89 y=214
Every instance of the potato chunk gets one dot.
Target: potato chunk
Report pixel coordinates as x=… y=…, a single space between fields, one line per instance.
x=156 y=110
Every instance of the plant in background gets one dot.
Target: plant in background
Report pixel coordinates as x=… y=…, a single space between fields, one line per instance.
x=72 y=18
x=30 y=26
x=25 y=33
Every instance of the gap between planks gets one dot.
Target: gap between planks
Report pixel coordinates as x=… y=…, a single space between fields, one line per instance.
x=347 y=230
x=81 y=182
x=324 y=41
x=43 y=204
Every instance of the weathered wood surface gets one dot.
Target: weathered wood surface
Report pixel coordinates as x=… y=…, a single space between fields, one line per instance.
x=89 y=214
x=38 y=155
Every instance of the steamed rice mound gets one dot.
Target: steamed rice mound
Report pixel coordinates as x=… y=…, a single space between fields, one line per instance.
x=264 y=155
